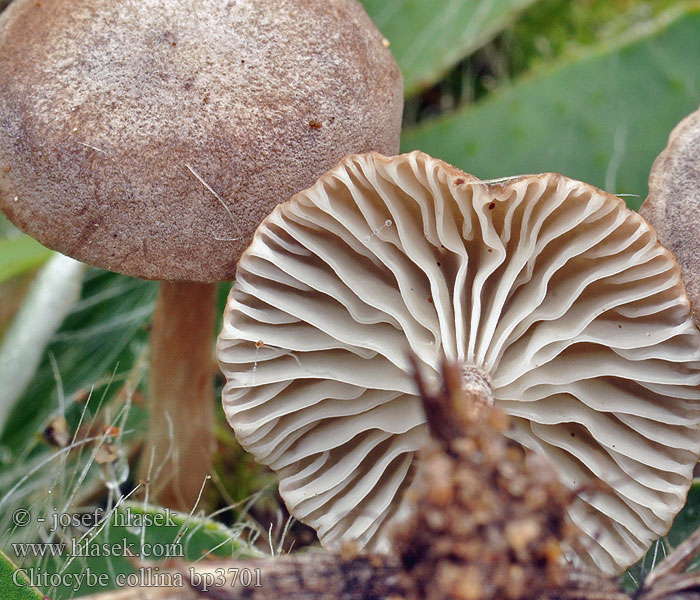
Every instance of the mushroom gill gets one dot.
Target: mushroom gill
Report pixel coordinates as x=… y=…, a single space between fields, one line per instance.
x=548 y=288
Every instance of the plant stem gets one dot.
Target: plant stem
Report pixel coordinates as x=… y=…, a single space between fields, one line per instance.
x=181 y=422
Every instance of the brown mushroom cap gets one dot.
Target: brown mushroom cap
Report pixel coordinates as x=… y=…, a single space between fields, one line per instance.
x=673 y=204
x=151 y=138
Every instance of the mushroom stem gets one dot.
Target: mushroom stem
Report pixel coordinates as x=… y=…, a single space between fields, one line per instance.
x=477 y=393
x=477 y=385
x=181 y=422
x=468 y=383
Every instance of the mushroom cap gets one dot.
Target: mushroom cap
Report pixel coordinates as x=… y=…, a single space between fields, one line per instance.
x=552 y=289
x=673 y=204
x=151 y=138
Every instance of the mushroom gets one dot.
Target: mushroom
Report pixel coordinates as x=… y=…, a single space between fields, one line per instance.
x=151 y=138
x=673 y=204
x=557 y=300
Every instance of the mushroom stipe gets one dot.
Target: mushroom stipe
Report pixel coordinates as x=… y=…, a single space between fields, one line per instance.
x=561 y=296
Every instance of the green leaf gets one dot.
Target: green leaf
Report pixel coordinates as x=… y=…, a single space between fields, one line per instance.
x=96 y=346
x=53 y=294
x=9 y=580
x=99 y=348
x=19 y=255
x=686 y=522
x=189 y=537
x=151 y=533
x=427 y=38
x=602 y=117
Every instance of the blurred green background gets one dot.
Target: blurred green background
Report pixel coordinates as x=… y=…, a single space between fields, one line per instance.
x=589 y=88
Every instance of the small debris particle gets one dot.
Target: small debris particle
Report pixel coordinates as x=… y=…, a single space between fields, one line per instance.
x=16 y=198
x=314 y=124
x=138 y=399
x=459 y=181
x=520 y=534
x=111 y=430
x=81 y=396
x=492 y=205
x=174 y=44
x=375 y=561
x=440 y=489
x=57 y=432
x=349 y=550
x=206 y=99
x=259 y=344
x=386 y=43
x=466 y=585
x=106 y=454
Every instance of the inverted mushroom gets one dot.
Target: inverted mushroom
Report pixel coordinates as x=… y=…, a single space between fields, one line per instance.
x=151 y=138
x=557 y=300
